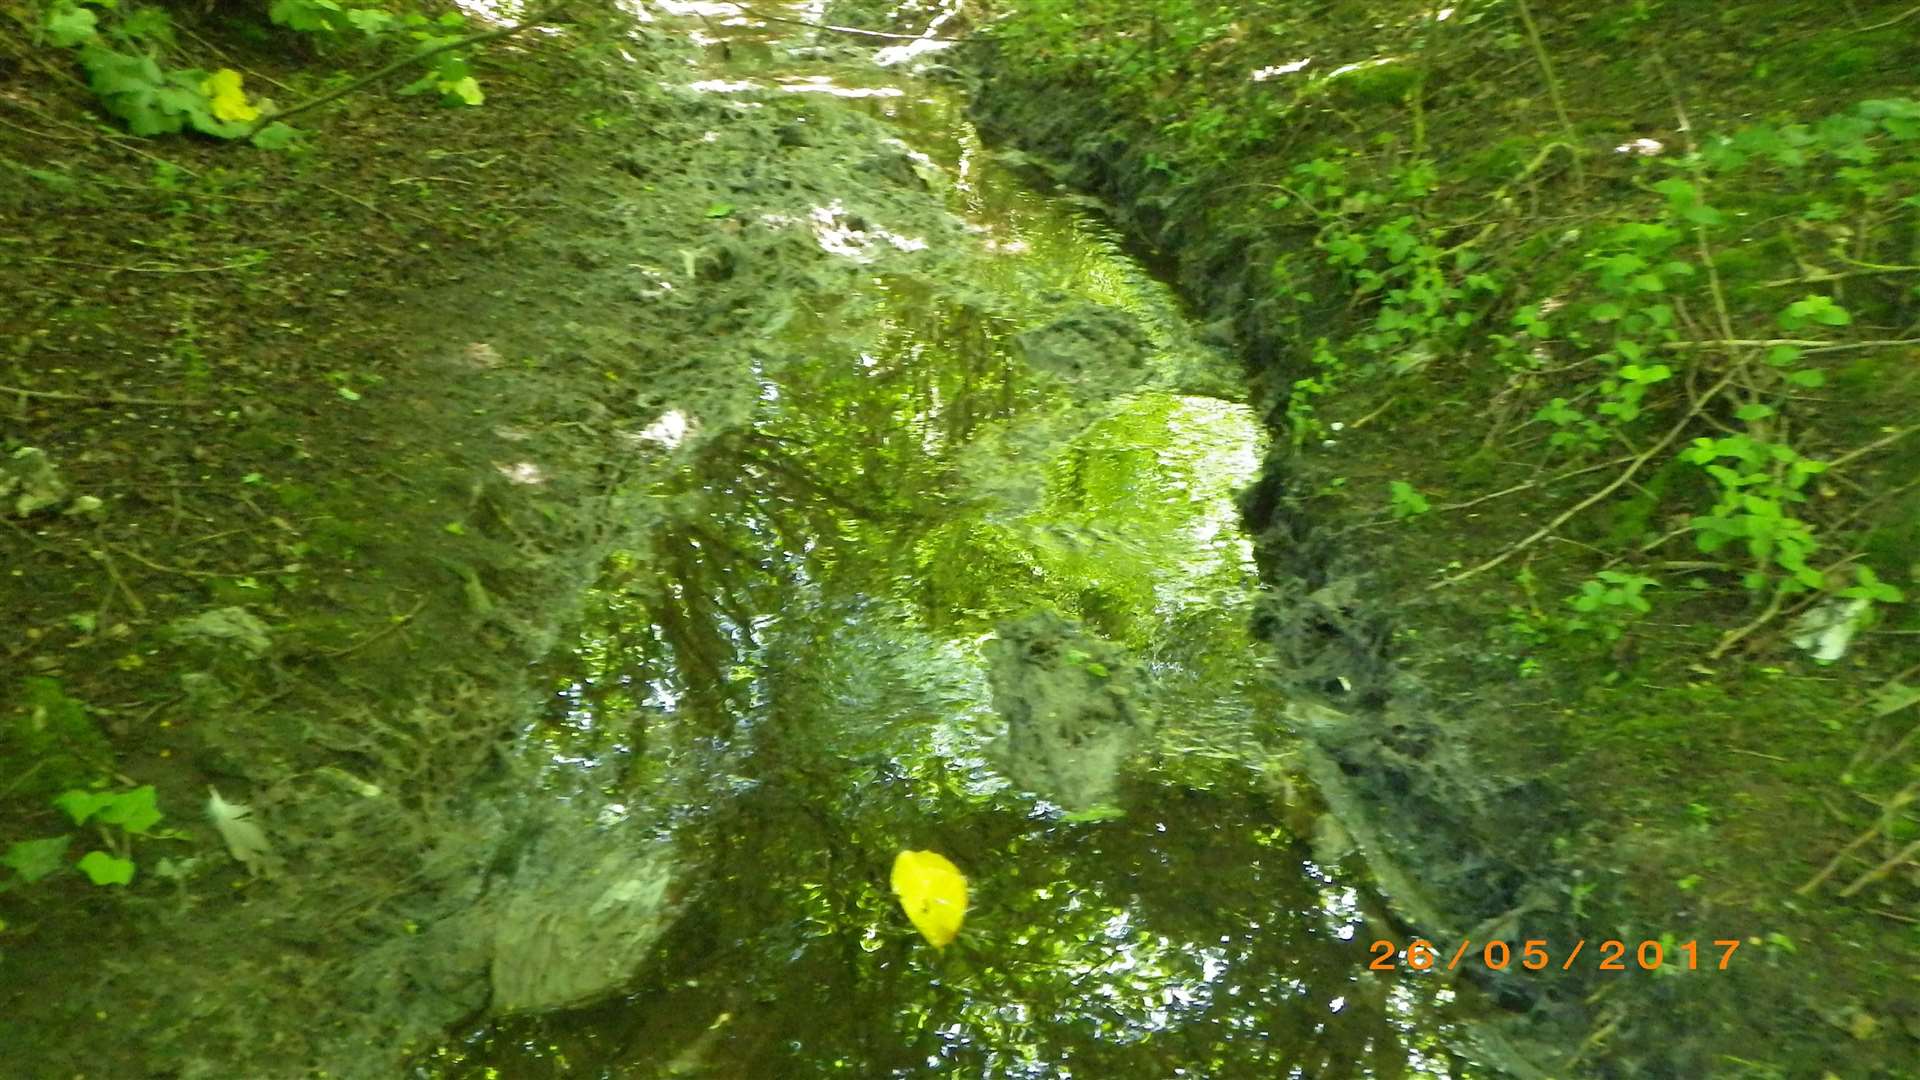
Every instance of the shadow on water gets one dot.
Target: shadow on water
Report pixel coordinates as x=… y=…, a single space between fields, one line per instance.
x=788 y=676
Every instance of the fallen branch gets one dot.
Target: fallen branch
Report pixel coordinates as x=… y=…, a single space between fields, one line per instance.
x=406 y=62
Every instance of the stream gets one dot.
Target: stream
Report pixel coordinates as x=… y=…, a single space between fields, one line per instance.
x=964 y=574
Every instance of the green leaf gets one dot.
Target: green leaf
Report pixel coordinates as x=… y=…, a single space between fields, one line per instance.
x=104 y=869
x=81 y=805
x=69 y=26
x=35 y=859
x=1753 y=412
x=719 y=210
x=133 y=810
x=1814 y=309
x=275 y=136
x=1808 y=379
x=462 y=91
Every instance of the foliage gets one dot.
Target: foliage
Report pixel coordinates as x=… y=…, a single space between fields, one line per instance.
x=119 y=815
x=1632 y=327
x=127 y=55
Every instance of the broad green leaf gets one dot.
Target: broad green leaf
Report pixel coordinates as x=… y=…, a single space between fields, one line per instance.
x=465 y=91
x=35 y=859
x=69 y=26
x=104 y=869
x=81 y=805
x=275 y=136
x=133 y=810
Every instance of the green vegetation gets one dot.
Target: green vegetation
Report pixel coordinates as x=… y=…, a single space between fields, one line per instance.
x=1628 y=299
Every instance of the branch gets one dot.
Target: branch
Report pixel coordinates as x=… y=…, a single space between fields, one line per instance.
x=1619 y=482
x=381 y=73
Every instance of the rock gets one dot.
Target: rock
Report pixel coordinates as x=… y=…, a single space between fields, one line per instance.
x=1099 y=349
x=1071 y=709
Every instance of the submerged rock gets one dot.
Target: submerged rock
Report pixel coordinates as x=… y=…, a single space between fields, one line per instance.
x=1070 y=706
x=1099 y=349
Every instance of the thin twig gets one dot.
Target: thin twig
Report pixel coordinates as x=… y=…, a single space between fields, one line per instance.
x=1798 y=343
x=1633 y=468
x=1903 y=855
x=398 y=622
x=100 y=399
x=1897 y=19
x=1553 y=89
x=1877 y=444
x=113 y=572
x=243 y=264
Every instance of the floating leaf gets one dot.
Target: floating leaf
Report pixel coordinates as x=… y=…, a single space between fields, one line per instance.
x=933 y=892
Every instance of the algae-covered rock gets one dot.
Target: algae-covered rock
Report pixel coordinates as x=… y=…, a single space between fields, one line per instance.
x=581 y=916
x=1071 y=709
x=1097 y=348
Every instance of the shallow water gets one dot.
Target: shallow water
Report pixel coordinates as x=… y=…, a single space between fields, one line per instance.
x=789 y=679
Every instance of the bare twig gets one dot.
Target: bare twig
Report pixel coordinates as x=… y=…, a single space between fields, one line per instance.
x=99 y=399
x=1553 y=89
x=1798 y=343
x=1900 y=857
x=1633 y=468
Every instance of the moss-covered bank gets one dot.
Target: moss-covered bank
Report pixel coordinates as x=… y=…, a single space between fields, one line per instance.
x=1590 y=334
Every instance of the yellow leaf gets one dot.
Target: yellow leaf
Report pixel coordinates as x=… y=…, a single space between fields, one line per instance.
x=229 y=101
x=933 y=892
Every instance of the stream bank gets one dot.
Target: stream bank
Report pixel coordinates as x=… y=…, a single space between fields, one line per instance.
x=1406 y=220
x=591 y=585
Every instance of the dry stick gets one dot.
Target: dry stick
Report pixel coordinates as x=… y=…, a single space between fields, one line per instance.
x=1878 y=444
x=1900 y=18
x=381 y=73
x=241 y=265
x=841 y=29
x=1798 y=343
x=99 y=399
x=1872 y=831
x=1885 y=868
x=1639 y=462
x=1553 y=90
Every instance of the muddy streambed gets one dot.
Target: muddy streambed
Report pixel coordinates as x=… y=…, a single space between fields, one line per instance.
x=961 y=572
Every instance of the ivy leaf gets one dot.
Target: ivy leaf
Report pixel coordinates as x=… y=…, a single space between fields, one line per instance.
x=35 y=859
x=104 y=869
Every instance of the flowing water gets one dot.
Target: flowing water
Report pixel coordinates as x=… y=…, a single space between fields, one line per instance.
x=956 y=512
